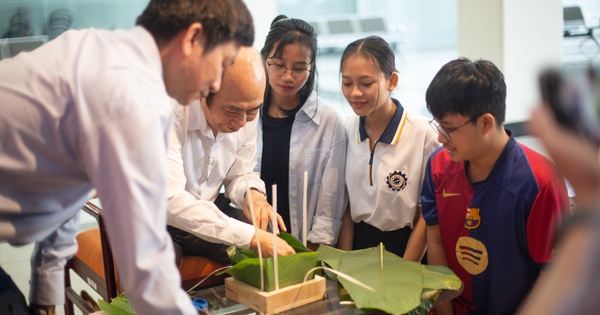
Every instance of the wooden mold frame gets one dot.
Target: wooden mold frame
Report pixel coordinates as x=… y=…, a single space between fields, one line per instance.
x=275 y=301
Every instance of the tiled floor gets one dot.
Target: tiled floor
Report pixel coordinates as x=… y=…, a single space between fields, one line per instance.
x=416 y=71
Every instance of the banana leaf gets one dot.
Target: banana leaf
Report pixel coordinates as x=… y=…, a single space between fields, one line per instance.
x=402 y=287
x=118 y=306
x=439 y=277
x=237 y=254
x=295 y=243
x=292 y=269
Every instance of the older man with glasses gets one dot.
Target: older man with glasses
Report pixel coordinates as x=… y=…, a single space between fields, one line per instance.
x=213 y=144
x=491 y=204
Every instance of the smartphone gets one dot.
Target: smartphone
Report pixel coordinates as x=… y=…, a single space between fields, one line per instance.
x=573 y=94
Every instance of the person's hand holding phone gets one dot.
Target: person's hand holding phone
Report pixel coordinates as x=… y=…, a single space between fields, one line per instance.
x=568 y=125
x=575 y=158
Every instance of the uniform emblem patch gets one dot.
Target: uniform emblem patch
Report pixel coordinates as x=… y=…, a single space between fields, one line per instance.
x=396 y=181
x=472 y=219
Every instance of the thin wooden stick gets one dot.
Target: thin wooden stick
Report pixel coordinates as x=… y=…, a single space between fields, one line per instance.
x=249 y=196
x=382 y=275
x=339 y=274
x=304 y=211
x=195 y=194
x=274 y=224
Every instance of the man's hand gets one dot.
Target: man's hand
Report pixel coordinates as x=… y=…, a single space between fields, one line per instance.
x=575 y=158
x=266 y=245
x=262 y=210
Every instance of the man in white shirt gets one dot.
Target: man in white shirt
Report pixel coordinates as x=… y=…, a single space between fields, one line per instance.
x=90 y=109
x=213 y=144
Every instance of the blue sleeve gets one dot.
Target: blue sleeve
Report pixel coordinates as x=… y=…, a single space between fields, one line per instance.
x=428 y=204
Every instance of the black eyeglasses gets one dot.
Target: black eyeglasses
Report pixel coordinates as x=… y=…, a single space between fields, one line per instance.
x=446 y=132
x=279 y=70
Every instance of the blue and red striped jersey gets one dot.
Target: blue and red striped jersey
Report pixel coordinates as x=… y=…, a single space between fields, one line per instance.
x=498 y=233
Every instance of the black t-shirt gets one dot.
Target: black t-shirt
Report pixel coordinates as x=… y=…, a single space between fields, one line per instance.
x=275 y=162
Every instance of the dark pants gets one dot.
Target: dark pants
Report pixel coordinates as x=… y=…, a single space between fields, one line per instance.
x=366 y=236
x=12 y=301
x=187 y=244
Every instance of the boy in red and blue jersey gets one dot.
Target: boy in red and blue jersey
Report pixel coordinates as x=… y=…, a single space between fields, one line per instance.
x=491 y=204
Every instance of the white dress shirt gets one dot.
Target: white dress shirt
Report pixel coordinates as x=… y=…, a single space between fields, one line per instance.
x=317 y=146
x=89 y=109
x=200 y=162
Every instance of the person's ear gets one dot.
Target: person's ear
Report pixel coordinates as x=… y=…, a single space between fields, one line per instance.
x=191 y=38
x=488 y=122
x=393 y=81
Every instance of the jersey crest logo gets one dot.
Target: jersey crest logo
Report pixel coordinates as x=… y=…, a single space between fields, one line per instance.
x=472 y=220
x=396 y=181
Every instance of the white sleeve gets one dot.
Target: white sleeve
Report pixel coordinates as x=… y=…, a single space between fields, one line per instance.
x=431 y=144
x=199 y=217
x=332 y=200
x=123 y=149
x=235 y=183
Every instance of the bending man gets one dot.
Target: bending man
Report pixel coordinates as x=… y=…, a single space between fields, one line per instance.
x=210 y=142
x=90 y=109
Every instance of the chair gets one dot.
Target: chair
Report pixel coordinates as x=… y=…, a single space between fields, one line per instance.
x=574 y=25
x=95 y=265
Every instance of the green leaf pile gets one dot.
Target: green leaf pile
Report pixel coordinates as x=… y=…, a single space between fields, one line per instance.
x=403 y=286
x=119 y=306
x=292 y=268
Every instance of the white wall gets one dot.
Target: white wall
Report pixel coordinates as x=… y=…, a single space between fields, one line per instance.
x=520 y=37
x=263 y=13
x=533 y=39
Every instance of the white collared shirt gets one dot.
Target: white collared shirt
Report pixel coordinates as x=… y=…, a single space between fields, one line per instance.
x=385 y=192
x=201 y=162
x=89 y=109
x=318 y=146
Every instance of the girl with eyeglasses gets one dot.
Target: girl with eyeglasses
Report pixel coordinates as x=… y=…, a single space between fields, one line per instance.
x=388 y=148
x=299 y=133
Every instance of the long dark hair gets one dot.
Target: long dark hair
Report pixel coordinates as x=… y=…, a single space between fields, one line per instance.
x=286 y=31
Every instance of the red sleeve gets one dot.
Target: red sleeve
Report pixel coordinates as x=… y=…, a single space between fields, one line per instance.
x=549 y=207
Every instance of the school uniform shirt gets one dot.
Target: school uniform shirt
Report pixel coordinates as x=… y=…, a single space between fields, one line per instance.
x=384 y=184
x=89 y=109
x=199 y=163
x=497 y=234
x=317 y=146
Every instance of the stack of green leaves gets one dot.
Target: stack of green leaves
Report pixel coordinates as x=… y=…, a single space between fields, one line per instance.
x=119 y=306
x=292 y=268
x=401 y=286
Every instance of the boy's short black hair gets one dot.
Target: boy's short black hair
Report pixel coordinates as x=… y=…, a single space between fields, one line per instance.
x=222 y=20
x=467 y=88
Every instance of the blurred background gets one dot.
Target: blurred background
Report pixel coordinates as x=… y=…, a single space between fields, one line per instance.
x=519 y=36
